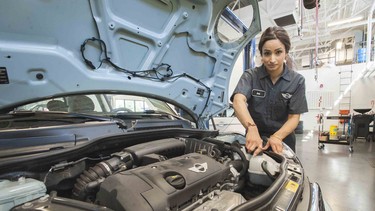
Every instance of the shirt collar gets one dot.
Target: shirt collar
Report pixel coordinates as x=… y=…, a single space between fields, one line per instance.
x=285 y=75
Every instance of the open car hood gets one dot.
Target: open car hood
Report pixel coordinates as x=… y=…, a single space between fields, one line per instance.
x=181 y=51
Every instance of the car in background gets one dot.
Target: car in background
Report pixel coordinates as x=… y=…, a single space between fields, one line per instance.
x=105 y=106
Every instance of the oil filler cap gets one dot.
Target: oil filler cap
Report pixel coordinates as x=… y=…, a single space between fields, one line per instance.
x=176 y=180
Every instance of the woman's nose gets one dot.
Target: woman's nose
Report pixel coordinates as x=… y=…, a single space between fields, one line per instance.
x=273 y=58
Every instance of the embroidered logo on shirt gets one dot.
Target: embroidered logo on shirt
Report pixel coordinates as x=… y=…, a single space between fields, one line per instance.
x=286 y=96
x=258 y=93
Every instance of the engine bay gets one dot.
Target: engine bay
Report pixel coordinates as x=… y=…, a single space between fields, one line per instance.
x=164 y=174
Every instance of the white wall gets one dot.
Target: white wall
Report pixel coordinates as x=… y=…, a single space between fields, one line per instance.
x=236 y=74
x=362 y=92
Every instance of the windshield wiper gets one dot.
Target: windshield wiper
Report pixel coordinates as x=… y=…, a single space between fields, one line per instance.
x=64 y=117
x=146 y=114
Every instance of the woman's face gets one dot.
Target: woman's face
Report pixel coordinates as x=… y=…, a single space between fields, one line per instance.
x=273 y=56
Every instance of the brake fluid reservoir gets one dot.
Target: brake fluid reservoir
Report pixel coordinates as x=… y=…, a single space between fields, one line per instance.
x=13 y=193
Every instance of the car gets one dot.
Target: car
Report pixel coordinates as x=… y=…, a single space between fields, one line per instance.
x=127 y=90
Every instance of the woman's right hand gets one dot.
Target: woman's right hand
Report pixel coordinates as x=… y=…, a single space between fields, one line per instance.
x=253 y=141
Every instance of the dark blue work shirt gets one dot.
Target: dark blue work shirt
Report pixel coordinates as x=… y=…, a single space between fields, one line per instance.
x=269 y=104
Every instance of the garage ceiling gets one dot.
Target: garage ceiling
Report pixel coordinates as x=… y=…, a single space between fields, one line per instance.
x=301 y=25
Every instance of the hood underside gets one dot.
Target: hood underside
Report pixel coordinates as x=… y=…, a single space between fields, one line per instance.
x=170 y=49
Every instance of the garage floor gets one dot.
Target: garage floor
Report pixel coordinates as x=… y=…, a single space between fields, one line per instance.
x=347 y=179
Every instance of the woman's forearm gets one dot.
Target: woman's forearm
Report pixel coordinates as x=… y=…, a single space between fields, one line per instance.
x=241 y=111
x=289 y=126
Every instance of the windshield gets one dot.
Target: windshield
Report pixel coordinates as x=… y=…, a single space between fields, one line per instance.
x=100 y=104
x=69 y=109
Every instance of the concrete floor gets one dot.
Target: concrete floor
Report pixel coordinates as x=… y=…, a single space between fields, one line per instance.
x=347 y=179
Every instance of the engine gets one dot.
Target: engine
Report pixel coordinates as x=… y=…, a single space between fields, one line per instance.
x=167 y=185
x=168 y=174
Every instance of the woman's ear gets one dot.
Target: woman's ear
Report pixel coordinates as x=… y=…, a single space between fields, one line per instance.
x=286 y=58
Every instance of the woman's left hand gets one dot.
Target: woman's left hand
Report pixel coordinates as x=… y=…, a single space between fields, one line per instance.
x=275 y=143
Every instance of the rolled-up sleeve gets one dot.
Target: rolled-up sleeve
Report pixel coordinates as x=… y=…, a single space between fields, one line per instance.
x=298 y=102
x=244 y=86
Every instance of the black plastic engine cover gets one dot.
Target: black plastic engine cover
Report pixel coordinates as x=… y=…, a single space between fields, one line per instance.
x=170 y=184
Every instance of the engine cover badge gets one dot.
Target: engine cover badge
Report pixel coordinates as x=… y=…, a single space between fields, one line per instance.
x=199 y=167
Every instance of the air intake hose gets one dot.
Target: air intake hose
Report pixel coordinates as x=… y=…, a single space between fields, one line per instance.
x=90 y=179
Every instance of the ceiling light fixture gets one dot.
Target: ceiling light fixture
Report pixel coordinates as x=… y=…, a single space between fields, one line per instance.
x=344 y=21
x=338 y=45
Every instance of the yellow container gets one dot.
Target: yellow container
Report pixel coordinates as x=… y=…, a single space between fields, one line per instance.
x=333 y=132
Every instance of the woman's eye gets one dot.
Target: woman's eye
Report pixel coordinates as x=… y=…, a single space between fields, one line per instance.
x=267 y=53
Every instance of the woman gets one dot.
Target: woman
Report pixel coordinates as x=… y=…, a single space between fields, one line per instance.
x=269 y=99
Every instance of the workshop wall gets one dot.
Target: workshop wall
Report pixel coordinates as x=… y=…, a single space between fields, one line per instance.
x=362 y=93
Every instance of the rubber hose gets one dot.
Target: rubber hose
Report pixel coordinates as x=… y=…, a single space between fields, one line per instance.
x=243 y=158
x=100 y=170
x=265 y=169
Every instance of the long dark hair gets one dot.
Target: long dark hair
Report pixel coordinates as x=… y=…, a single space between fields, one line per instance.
x=276 y=33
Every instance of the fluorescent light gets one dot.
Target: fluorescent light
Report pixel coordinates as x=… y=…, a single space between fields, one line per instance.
x=343 y=21
x=338 y=45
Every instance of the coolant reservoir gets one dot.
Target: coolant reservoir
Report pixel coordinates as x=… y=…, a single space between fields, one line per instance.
x=257 y=175
x=13 y=193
